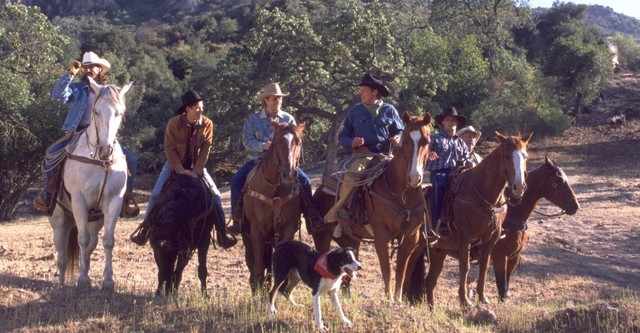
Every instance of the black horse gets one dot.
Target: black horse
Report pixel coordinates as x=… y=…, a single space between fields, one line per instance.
x=181 y=223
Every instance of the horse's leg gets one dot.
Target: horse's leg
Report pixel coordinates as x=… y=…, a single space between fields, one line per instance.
x=183 y=260
x=163 y=274
x=203 y=249
x=322 y=238
x=436 y=263
x=406 y=248
x=486 y=250
x=257 y=271
x=63 y=243
x=514 y=260
x=381 y=243
x=108 y=240
x=499 y=260
x=249 y=260
x=463 y=265
x=80 y=215
x=413 y=287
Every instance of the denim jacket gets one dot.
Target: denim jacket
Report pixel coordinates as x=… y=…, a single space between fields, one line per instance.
x=256 y=129
x=376 y=131
x=78 y=93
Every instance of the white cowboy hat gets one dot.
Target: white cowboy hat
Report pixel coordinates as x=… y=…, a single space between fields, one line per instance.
x=90 y=58
x=469 y=129
x=271 y=89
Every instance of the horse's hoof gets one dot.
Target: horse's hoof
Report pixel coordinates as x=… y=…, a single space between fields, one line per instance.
x=108 y=286
x=84 y=283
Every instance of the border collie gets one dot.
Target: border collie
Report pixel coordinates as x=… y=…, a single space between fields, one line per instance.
x=295 y=261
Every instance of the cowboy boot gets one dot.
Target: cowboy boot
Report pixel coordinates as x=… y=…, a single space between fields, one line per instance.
x=236 y=219
x=223 y=240
x=130 y=208
x=141 y=234
x=44 y=202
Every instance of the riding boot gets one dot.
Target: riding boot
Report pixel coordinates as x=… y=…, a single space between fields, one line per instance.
x=236 y=217
x=141 y=234
x=45 y=200
x=130 y=208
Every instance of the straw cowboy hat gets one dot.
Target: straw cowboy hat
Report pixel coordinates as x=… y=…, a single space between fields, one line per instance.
x=271 y=89
x=375 y=82
x=90 y=58
x=471 y=129
x=451 y=111
x=189 y=98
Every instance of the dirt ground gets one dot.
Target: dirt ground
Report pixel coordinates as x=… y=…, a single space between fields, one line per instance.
x=594 y=253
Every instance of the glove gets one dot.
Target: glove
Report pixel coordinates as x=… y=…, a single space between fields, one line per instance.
x=74 y=67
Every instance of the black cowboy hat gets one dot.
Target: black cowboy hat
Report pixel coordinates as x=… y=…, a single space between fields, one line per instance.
x=375 y=82
x=451 y=111
x=189 y=98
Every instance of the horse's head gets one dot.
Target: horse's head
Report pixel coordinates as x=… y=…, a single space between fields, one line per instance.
x=513 y=162
x=415 y=145
x=556 y=187
x=285 y=149
x=108 y=109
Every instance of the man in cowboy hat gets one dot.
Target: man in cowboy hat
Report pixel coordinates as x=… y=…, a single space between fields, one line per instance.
x=371 y=126
x=446 y=151
x=186 y=157
x=255 y=138
x=470 y=136
x=78 y=119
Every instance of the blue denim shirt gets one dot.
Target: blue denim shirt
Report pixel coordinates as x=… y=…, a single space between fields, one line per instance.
x=449 y=149
x=256 y=130
x=78 y=93
x=376 y=131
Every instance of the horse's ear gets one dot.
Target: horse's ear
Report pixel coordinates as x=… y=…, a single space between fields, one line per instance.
x=94 y=87
x=501 y=137
x=527 y=137
x=406 y=117
x=427 y=119
x=124 y=89
x=549 y=161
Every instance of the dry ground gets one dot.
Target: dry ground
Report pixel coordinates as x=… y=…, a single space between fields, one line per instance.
x=574 y=270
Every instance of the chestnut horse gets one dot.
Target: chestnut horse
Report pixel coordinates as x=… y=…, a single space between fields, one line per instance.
x=394 y=203
x=547 y=181
x=478 y=210
x=271 y=207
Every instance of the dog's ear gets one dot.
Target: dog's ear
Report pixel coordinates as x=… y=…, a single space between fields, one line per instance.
x=351 y=249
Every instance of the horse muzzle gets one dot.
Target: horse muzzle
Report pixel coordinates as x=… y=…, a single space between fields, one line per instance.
x=517 y=190
x=105 y=152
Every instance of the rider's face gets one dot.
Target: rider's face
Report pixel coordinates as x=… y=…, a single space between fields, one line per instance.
x=194 y=112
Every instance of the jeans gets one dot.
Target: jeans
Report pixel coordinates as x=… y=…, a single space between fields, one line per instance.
x=439 y=181
x=164 y=176
x=240 y=178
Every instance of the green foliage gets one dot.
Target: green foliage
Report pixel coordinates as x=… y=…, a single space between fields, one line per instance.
x=628 y=52
x=30 y=47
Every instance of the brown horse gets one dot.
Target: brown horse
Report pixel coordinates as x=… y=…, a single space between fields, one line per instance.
x=547 y=181
x=478 y=210
x=271 y=207
x=395 y=205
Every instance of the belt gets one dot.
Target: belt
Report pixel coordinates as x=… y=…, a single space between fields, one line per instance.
x=444 y=170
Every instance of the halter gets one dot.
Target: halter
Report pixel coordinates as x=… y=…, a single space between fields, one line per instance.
x=93 y=148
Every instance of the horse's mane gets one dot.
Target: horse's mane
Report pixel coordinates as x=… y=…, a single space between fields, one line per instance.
x=112 y=92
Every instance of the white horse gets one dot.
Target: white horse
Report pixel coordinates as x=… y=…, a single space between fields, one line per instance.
x=94 y=175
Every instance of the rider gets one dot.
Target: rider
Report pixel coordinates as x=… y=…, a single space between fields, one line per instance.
x=255 y=138
x=446 y=151
x=470 y=136
x=187 y=142
x=369 y=127
x=78 y=119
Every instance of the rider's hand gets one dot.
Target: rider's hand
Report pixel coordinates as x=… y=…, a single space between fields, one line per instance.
x=266 y=145
x=433 y=156
x=74 y=67
x=395 y=140
x=357 y=142
x=189 y=173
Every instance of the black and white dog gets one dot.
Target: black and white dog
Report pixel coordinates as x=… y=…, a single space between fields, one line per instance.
x=322 y=272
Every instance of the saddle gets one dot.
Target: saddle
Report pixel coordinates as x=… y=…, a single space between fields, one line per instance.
x=447 y=215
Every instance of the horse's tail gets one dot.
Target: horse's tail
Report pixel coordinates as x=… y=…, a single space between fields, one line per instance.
x=73 y=252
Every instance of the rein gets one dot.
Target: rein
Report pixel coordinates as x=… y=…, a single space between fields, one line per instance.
x=104 y=164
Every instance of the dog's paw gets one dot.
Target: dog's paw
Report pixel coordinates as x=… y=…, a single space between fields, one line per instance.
x=323 y=328
x=347 y=323
x=272 y=309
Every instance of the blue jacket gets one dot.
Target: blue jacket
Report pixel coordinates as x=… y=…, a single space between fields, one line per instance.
x=255 y=131
x=376 y=131
x=450 y=150
x=78 y=93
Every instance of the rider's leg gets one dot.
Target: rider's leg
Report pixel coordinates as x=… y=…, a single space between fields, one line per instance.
x=439 y=185
x=223 y=239
x=52 y=176
x=309 y=210
x=347 y=187
x=140 y=235
x=237 y=184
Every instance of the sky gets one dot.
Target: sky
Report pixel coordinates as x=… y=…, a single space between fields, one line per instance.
x=626 y=7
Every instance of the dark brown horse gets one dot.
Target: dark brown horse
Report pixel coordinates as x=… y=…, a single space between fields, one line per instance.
x=271 y=207
x=394 y=203
x=547 y=181
x=478 y=210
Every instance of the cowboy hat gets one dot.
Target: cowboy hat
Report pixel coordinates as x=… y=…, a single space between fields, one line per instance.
x=189 y=98
x=90 y=58
x=471 y=129
x=375 y=82
x=271 y=89
x=451 y=111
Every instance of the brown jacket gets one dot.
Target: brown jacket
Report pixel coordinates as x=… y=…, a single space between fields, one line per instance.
x=178 y=138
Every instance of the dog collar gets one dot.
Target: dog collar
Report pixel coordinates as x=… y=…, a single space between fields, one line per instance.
x=321 y=267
